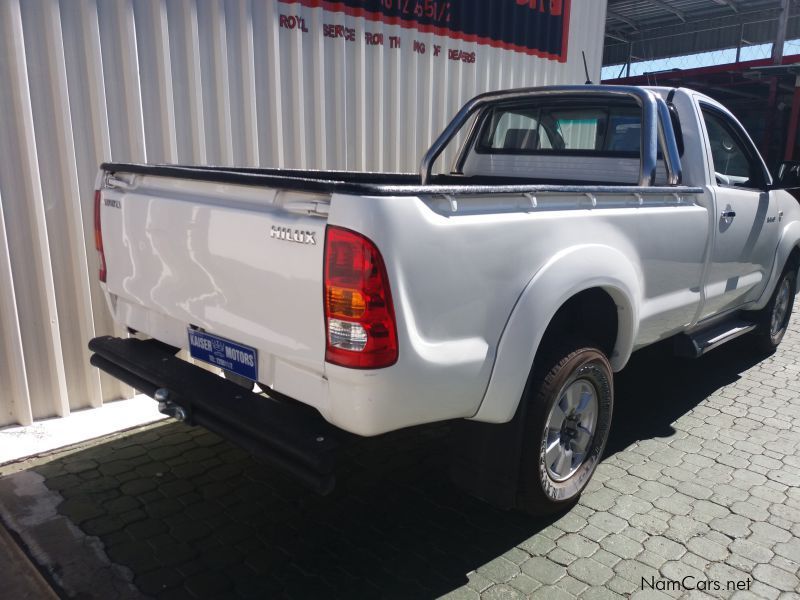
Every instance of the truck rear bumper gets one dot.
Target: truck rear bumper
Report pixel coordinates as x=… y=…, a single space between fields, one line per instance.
x=290 y=435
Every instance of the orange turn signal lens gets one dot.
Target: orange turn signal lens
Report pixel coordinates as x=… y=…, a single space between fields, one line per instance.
x=344 y=302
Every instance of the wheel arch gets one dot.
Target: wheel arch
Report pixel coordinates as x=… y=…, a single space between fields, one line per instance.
x=794 y=259
x=591 y=314
x=788 y=252
x=572 y=279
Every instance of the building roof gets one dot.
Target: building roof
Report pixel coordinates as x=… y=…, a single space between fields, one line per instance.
x=654 y=29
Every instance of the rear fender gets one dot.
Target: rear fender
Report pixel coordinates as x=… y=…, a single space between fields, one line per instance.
x=568 y=273
x=789 y=241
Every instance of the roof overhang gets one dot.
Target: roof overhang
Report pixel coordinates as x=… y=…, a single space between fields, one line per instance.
x=651 y=30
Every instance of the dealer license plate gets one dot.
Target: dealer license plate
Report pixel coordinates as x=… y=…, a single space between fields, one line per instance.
x=226 y=354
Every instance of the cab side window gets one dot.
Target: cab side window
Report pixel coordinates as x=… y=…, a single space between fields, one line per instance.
x=735 y=161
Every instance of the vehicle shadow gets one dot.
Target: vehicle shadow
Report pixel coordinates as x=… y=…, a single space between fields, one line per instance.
x=656 y=388
x=193 y=516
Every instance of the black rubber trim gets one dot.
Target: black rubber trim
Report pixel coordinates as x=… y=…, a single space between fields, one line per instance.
x=676 y=121
x=288 y=434
x=372 y=184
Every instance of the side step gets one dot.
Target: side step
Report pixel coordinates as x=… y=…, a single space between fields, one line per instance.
x=697 y=344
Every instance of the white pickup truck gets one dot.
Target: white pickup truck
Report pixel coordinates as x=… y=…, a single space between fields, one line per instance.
x=576 y=225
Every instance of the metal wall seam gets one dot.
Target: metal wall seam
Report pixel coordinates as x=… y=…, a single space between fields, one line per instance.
x=337 y=110
x=375 y=108
x=187 y=81
x=240 y=38
x=52 y=123
x=293 y=89
x=26 y=229
x=358 y=125
x=91 y=140
x=155 y=76
x=216 y=92
x=272 y=84
x=15 y=401
x=121 y=78
x=320 y=83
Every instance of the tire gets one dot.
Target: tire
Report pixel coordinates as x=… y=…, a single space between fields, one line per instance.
x=573 y=381
x=773 y=320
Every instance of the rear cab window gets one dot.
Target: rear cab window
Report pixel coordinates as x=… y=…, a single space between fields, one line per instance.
x=562 y=129
x=558 y=128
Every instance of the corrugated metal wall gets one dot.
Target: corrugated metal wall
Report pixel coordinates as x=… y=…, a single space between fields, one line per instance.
x=193 y=81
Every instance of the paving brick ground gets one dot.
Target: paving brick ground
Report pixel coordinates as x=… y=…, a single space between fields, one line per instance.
x=701 y=481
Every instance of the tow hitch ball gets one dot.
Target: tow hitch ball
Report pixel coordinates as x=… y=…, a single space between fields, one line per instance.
x=167 y=407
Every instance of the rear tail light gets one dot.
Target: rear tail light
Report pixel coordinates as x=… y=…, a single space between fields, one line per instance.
x=98 y=237
x=359 y=316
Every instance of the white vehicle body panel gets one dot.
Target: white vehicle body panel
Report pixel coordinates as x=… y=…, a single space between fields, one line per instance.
x=475 y=281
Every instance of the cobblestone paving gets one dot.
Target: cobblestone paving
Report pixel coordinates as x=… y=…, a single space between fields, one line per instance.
x=701 y=479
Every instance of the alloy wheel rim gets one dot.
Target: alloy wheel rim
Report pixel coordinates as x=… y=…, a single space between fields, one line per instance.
x=570 y=429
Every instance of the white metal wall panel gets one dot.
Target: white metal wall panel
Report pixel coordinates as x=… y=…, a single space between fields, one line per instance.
x=194 y=82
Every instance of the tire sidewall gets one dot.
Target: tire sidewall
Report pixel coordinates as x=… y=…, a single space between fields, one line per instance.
x=538 y=494
x=594 y=368
x=791 y=276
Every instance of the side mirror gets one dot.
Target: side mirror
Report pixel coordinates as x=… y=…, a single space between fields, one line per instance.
x=788 y=176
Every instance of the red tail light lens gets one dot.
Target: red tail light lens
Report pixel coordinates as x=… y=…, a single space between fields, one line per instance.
x=98 y=236
x=359 y=316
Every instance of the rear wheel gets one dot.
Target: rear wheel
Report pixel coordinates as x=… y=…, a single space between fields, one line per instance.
x=569 y=402
x=773 y=319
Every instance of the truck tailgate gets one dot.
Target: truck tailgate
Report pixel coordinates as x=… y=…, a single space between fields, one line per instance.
x=240 y=262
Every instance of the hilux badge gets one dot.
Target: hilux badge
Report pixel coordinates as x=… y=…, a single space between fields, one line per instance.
x=293 y=235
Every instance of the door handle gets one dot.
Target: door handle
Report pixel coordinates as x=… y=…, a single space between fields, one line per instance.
x=727 y=214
